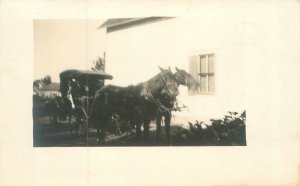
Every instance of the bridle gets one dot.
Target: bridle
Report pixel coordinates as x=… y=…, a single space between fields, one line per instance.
x=162 y=78
x=185 y=79
x=150 y=98
x=181 y=79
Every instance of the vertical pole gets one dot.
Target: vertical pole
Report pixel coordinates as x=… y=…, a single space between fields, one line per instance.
x=104 y=57
x=104 y=64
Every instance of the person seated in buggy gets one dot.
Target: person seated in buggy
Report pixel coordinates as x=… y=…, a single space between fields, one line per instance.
x=75 y=91
x=71 y=93
x=67 y=98
x=78 y=87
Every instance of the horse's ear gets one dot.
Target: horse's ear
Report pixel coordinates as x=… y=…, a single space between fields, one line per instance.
x=161 y=69
x=169 y=69
x=177 y=69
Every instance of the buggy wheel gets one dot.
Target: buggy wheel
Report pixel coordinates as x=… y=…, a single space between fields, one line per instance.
x=72 y=123
x=82 y=130
x=82 y=126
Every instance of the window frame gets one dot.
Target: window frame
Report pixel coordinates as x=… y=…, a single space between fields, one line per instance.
x=207 y=74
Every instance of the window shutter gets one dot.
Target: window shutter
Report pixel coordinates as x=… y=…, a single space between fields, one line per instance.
x=194 y=69
x=211 y=71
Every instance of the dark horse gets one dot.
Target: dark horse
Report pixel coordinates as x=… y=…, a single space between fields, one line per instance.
x=132 y=103
x=170 y=102
x=186 y=79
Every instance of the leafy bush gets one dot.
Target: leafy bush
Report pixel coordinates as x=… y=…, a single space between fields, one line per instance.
x=231 y=130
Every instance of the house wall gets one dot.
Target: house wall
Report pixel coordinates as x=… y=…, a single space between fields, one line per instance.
x=134 y=54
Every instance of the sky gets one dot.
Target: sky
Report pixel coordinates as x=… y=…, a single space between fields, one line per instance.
x=66 y=44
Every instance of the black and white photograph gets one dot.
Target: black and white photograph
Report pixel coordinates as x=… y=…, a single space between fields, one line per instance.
x=172 y=92
x=149 y=81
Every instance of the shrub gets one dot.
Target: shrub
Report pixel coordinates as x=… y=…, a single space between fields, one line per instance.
x=231 y=130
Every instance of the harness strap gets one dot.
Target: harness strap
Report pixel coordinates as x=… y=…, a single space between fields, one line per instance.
x=165 y=84
x=149 y=97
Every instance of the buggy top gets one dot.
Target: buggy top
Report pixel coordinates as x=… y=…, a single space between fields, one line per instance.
x=91 y=79
x=77 y=74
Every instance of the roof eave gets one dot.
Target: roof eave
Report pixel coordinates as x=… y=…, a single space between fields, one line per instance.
x=131 y=22
x=121 y=23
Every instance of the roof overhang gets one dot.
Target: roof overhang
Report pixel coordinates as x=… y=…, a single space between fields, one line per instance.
x=112 y=25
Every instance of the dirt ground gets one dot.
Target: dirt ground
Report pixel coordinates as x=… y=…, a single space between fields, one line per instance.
x=47 y=135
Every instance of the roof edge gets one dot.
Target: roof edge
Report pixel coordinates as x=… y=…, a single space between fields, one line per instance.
x=131 y=22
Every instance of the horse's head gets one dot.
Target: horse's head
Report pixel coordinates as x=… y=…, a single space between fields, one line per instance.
x=184 y=78
x=170 y=86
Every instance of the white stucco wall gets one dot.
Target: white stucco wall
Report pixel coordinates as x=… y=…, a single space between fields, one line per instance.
x=134 y=54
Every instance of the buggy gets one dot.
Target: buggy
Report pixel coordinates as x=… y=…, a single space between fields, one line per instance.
x=77 y=89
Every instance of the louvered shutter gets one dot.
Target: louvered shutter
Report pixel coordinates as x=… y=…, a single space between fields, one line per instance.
x=211 y=73
x=194 y=69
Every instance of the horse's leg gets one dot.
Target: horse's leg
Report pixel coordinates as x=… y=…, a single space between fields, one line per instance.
x=52 y=119
x=56 y=118
x=137 y=121
x=138 y=129
x=100 y=130
x=146 y=128
x=117 y=128
x=101 y=135
x=69 y=123
x=60 y=115
x=98 y=134
x=50 y=116
x=128 y=127
x=158 y=124
x=132 y=126
x=167 y=116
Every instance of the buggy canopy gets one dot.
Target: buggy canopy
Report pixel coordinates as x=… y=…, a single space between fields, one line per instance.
x=92 y=79
x=83 y=74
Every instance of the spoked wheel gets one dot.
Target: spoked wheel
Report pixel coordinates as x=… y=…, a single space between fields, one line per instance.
x=73 y=123
x=81 y=123
x=82 y=130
